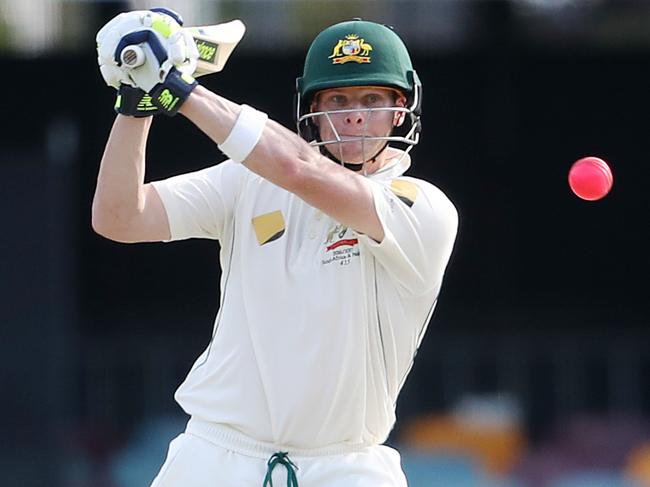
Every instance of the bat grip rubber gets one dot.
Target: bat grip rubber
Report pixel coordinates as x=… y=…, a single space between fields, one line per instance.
x=132 y=56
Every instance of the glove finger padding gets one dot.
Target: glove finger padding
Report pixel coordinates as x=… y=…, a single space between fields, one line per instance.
x=114 y=76
x=107 y=40
x=168 y=11
x=182 y=52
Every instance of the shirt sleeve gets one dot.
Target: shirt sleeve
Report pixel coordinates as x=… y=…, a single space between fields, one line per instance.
x=420 y=225
x=199 y=203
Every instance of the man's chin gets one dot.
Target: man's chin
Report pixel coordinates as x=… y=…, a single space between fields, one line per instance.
x=351 y=155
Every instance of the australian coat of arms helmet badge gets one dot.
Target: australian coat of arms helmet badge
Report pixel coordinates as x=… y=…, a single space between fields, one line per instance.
x=352 y=48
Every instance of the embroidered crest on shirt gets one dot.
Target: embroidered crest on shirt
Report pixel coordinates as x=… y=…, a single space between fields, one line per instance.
x=405 y=191
x=268 y=227
x=339 y=246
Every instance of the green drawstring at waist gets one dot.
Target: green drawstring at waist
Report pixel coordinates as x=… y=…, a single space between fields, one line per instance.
x=282 y=458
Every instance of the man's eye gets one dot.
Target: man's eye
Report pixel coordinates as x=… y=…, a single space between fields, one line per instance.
x=373 y=99
x=336 y=99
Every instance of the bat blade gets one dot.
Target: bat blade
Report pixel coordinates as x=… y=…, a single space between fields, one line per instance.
x=215 y=44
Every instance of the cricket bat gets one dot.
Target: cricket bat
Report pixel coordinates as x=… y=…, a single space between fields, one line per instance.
x=215 y=43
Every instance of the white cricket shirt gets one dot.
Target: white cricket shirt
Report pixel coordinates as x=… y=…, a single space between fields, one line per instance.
x=318 y=325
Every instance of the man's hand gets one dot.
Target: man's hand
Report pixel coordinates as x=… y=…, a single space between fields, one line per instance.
x=167 y=56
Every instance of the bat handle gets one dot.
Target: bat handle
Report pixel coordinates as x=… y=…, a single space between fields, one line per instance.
x=132 y=56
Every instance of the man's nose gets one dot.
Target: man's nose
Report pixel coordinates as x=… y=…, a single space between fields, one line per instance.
x=356 y=117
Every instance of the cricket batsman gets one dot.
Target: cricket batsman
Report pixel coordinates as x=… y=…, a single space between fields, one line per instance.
x=332 y=259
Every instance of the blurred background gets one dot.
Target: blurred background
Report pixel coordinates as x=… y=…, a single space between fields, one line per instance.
x=535 y=371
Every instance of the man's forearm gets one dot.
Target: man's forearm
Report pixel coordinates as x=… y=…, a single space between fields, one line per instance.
x=279 y=152
x=119 y=195
x=213 y=114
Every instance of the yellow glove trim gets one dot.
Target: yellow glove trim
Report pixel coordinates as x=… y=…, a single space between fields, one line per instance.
x=164 y=25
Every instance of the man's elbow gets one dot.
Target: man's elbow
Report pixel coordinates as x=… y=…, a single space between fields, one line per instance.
x=104 y=223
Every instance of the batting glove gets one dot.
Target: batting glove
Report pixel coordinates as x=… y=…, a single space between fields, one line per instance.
x=149 y=50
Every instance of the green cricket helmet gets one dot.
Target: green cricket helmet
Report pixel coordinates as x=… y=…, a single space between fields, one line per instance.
x=358 y=53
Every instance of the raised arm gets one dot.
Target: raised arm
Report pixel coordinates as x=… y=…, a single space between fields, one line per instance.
x=127 y=210
x=124 y=208
x=286 y=160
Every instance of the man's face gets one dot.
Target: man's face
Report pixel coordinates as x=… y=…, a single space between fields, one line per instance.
x=359 y=121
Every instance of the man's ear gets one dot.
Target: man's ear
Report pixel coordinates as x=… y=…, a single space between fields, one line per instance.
x=312 y=108
x=399 y=117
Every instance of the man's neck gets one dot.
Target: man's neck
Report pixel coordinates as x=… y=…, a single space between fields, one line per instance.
x=382 y=159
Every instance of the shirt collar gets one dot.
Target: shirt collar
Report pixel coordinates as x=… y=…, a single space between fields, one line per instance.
x=398 y=163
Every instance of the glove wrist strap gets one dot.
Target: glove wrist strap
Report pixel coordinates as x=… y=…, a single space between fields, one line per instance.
x=170 y=95
x=134 y=102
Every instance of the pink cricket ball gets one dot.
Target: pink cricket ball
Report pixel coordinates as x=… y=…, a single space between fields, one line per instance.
x=590 y=178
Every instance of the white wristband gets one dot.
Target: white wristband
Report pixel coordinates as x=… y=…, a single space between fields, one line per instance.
x=245 y=134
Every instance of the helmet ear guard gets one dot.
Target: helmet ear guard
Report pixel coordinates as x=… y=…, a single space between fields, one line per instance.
x=307 y=130
x=414 y=106
x=416 y=94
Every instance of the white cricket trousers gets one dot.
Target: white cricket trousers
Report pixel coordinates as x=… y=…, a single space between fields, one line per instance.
x=212 y=455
